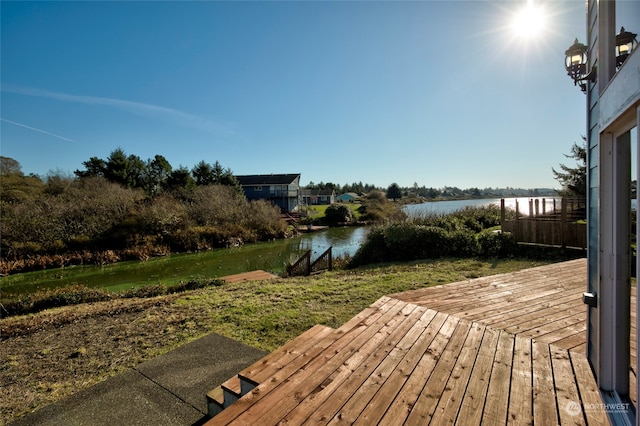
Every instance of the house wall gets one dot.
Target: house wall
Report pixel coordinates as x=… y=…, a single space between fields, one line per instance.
x=613 y=103
x=287 y=197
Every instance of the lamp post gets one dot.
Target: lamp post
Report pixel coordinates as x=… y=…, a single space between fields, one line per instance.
x=625 y=43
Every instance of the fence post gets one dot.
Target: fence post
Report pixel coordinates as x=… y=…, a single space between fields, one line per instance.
x=502 y=213
x=563 y=223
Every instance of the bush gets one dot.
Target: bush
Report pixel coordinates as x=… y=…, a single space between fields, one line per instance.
x=460 y=234
x=497 y=244
x=338 y=214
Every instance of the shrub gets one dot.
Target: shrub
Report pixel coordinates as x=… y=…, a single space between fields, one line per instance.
x=463 y=243
x=460 y=234
x=338 y=214
x=497 y=244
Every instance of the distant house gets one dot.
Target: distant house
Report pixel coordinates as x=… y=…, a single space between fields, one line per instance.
x=282 y=190
x=317 y=196
x=347 y=197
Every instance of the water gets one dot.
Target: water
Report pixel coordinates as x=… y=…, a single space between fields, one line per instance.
x=444 y=207
x=271 y=256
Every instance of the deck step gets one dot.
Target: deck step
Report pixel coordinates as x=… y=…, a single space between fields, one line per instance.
x=223 y=396
x=293 y=350
x=215 y=401
x=236 y=387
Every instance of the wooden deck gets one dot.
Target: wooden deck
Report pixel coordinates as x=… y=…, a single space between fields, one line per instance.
x=249 y=276
x=505 y=349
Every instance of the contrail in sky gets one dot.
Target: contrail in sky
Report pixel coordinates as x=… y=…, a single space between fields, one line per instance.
x=138 y=108
x=38 y=130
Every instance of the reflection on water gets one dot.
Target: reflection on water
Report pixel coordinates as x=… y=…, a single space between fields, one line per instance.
x=271 y=256
x=444 y=207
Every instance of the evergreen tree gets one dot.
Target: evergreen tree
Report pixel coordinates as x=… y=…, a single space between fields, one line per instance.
x=574 y=179
x=394 y=191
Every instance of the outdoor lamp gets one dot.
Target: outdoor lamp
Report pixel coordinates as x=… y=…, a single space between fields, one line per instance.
x=625 y=43
x=575 y=63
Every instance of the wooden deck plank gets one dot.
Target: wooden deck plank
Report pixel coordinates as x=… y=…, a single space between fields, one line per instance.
x=487 y=296
x=406 y=399
x=497 y=400
x=544 y=396
x=553 y=274
x=378 y=385
x=428 y=399
x=521 y=393
x=284 y=353
x=589 y=392
x=474 y=398
x=258 y=275
x=570 y=409
x=260 y=371
x=557 y=326
x=527 y=312
x=446 y=411
x=511 y=310
x=319 y=408
x=304 y=382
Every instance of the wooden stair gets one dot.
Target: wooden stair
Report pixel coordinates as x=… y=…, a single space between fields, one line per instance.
x=292 y=355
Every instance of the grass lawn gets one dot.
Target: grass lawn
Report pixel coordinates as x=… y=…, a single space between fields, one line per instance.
x=105 y=338
x=318 y=211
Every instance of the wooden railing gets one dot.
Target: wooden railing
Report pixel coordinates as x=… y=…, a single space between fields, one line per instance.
x=550 y=223
x=304 y=266
x=323 y=262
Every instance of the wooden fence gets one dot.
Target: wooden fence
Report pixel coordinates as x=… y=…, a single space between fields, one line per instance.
x=554 y=222
x=304 y=265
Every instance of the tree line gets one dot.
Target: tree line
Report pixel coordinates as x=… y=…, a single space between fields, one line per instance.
x=395 y=191
x=155 y=174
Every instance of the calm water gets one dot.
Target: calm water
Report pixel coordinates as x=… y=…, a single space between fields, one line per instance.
x=272 y=257
x=443 y=207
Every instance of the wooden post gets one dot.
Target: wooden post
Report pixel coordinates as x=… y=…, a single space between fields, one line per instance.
x=531 y=211
x=563 y=222
x=502 y=213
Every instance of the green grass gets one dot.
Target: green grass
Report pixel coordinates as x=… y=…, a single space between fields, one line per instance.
x=266 y=314
x=318 y=211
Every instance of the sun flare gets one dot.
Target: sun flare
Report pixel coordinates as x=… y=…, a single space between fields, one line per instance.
x=529 y=22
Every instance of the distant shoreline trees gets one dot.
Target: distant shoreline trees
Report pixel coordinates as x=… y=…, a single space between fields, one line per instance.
x=155 y=175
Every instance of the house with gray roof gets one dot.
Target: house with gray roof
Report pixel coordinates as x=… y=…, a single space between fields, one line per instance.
x=282 y=190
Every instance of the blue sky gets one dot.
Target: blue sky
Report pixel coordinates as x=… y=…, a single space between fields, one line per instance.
x=432 y=92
